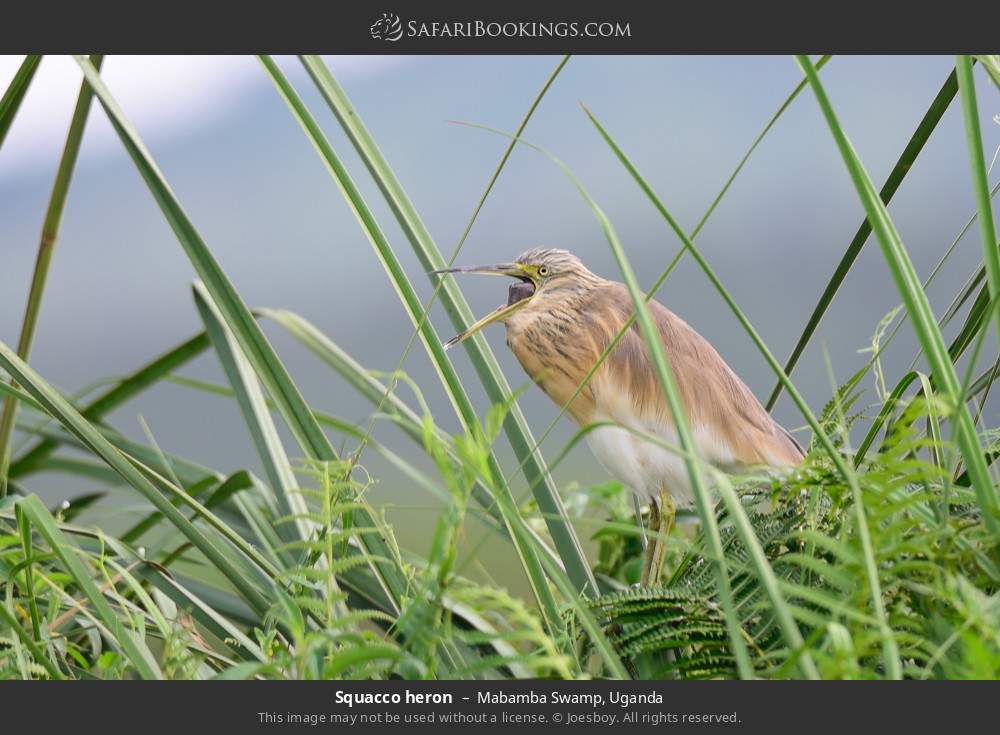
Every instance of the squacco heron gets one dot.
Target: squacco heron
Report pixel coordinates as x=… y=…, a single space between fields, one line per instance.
x=560 y=317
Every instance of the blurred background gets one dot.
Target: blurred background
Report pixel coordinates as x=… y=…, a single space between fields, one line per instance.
x=119 y=288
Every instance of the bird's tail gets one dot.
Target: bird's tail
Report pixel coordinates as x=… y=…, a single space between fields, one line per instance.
x=794 y=442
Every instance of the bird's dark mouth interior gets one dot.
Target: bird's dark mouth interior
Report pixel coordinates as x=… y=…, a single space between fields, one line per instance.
x=519 y=291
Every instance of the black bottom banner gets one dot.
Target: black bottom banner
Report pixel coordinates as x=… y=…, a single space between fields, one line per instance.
x=481 y=706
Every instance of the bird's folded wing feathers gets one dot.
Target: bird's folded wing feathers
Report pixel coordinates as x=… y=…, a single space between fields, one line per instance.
x=730 y=425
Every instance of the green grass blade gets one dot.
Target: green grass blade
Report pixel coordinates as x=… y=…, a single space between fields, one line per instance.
x=789 y=629
x=407 y=295
x=906 y=160
x=17 y=394
x=746 y=156
x=241 y=322
x=18 y=87
x=43 y=522
x=351 y=430
x=204 y=613
x=50 y=233
x=24 y=528
x=664 y=372
x=917 y=306
x=256 y=413
x=668 y=384
x=980 y=178
x=322 y=73
x=36 y=653
x=972 y=321
x=146 y=376
x=888 y=407
x=765 y=573
x=484 y=361
x=379 y=395
x=123 y=391
x=60 y=409
x=919 y=310
x=361 y=379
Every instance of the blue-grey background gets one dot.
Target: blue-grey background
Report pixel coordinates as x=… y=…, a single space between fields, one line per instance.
x=119 y=290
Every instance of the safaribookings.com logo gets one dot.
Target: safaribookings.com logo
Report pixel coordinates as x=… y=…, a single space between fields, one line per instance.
x=387 y=28
x=390 y=28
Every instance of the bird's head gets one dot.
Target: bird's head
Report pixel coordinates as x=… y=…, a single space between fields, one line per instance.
x=540 y=274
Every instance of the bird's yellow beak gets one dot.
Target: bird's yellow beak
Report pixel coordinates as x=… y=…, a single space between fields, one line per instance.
x=518 y=295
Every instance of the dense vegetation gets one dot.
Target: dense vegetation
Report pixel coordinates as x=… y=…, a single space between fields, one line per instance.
x=872 y=561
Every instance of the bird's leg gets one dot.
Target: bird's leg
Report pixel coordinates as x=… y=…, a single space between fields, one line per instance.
x=668 y=512
x=652 y=534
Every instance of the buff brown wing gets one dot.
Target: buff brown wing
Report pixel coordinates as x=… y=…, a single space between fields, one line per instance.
x=731 y=427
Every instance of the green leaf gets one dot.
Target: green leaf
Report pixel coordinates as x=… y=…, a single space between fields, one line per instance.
x=17 y=394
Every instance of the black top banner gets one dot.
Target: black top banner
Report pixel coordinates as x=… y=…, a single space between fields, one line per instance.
x=446 y=26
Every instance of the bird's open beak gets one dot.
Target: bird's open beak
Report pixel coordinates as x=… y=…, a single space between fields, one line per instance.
x=518 y=295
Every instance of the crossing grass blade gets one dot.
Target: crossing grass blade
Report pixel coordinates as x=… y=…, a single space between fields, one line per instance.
x=917 y=306
x=487 y=367
x=16 y=394
x=687 y=448
x=322 y=72
x=680 y=253
x=664 y=372
x=903 y=166
x=57 y=406
x=379 y=395
x=123 y=391
x=258 y=351
x=404 y=289
x=10 y=103
x=256 y=413
x=980 y=178
x=348 y=429
x=50 y=233
x=763 y=569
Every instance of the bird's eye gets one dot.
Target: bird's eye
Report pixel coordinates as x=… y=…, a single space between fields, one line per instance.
x=543 y=270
